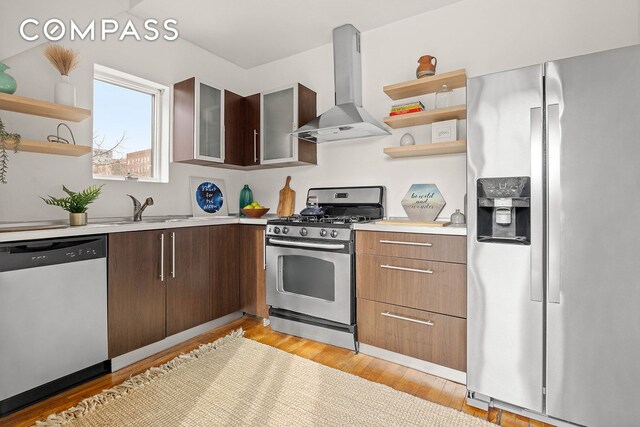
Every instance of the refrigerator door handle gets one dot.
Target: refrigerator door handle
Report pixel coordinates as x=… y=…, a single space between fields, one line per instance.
x=554 y=141
x=537 y=183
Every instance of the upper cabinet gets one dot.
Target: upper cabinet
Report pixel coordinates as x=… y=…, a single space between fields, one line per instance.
x=198 y=117
x=215 y=127
x=283 y=111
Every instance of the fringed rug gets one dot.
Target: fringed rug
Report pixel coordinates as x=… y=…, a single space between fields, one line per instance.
x=235 y=381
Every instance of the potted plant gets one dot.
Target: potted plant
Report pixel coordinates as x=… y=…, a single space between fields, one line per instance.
x=76 y=203
x=6 y=137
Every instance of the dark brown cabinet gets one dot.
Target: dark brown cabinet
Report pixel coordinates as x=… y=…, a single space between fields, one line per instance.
x=137 y=295
x=163 y=282
x=224 y=270
x=252 y=273
x=187 y=277
x=216 y=127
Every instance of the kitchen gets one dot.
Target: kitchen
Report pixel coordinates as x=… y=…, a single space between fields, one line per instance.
x=479 y=38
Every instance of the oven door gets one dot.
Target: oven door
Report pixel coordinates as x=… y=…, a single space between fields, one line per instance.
x=312 y=278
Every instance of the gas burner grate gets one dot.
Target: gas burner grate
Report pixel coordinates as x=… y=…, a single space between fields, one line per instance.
x=345 y=219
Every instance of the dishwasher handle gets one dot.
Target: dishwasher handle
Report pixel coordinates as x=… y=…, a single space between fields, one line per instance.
x=42 y=253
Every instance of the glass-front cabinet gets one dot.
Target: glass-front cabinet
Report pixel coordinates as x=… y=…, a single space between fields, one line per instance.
x=209 y=137
x=198 y=123
x=279 y=117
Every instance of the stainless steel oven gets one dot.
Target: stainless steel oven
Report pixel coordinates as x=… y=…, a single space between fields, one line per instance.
x=311 y=277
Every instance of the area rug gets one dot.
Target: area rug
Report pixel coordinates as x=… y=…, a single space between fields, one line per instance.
x=235 y=381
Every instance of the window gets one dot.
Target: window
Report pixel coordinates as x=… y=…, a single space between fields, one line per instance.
x=130 y=127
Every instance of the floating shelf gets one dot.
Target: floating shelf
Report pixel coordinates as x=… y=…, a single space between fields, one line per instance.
x=425 y=85
x=36 y=107
x=427 y=117
x=433 y=149
x=30 y=146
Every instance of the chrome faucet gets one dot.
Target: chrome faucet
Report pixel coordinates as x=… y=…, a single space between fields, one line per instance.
x=138 y=208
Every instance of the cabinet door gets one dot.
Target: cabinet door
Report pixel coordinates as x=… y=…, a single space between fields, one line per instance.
x=252 y=275
x=252 y=131
x=279 y=118
x=235 y=113
x=210 y=129
x=136 y=300
x=224 y=255
x=187 y=277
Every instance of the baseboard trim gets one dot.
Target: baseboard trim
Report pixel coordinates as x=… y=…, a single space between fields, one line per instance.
x=412 y=362
x=134 y=356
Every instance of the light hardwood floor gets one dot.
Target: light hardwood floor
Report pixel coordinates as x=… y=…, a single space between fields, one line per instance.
x=399 y=377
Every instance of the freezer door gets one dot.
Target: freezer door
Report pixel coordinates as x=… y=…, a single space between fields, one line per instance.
x=593 y=334
x=505 y=281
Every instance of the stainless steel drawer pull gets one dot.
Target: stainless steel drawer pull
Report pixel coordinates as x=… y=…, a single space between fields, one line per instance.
x=408 y=319
x=162 y=257
x=413 y=270
x=173 y=255
x=396 y=242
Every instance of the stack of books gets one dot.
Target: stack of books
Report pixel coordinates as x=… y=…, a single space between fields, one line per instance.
x=411 y=107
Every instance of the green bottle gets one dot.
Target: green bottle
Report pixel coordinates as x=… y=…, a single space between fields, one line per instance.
x=246 y=198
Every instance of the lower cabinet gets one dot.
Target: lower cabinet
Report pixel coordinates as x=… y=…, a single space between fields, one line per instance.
x=253 y=299
x=162 y=282
x=224 y=269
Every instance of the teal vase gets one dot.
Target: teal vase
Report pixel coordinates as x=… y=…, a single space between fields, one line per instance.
x=7 y=83
x=246 y=197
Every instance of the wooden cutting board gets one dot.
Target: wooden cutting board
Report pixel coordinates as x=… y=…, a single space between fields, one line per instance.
x=414 y=223
x=287 y=201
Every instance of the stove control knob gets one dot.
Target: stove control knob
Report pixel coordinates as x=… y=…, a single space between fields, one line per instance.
x=276 y=230
x=323 y=232
x=303 y=231
x=285 y=230
x=334 y=233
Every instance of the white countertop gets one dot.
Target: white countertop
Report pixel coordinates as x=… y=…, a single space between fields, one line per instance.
x=452 y=230
x=95 y=226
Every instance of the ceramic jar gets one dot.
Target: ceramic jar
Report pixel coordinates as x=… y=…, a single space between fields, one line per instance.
x=427 y=66
x=7 y=83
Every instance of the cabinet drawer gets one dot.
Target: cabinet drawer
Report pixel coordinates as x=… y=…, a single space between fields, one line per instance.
x=408 y=245
x=425 y=285
x=421 y=334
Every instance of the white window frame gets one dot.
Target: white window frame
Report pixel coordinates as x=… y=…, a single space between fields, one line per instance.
x=161 y=133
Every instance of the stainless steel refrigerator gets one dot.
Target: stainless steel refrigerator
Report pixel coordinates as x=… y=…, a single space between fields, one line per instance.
x=553 y=181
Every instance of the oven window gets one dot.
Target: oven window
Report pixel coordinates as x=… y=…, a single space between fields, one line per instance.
x=313 y=277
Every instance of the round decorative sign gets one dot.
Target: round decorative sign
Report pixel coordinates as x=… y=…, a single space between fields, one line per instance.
x=209 y=197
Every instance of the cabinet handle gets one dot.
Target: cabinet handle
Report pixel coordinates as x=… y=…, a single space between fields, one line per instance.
x=162 y=257
x=173 y=255
x=395 y=242
x=264 y=249
x=414 y=270
x=408 y=319
x=255 y=149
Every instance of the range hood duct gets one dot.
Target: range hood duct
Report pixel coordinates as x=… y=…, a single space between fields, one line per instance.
x=347 y=120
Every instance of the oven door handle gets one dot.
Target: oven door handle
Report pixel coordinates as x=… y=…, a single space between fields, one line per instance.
x=306 y=244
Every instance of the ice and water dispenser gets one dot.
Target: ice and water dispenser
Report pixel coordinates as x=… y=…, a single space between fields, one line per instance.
x=504 y=210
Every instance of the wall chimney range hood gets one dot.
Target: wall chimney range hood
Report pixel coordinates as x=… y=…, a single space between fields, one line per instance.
x=347 y=120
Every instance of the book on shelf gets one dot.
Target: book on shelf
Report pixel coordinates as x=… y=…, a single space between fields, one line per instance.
x=412 y=104
x=413 y=110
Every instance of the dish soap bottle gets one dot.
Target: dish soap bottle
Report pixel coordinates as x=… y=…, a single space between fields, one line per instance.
x=457 y=218
x=246 y=198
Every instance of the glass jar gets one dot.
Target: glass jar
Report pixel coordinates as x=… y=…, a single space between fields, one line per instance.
x=457 y=218
x=444 y=97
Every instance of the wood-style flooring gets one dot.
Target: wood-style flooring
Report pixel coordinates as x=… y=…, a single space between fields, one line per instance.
x=399 y=377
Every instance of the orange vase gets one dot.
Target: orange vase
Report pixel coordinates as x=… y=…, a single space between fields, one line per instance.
x=427 y=66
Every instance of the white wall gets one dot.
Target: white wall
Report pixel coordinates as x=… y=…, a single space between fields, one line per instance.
x=32 y=175
x=482 y=36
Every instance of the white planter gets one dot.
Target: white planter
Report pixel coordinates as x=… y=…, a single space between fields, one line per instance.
x=65 y=92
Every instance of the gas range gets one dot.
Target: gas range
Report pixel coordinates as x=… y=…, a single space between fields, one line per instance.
x=310 y=263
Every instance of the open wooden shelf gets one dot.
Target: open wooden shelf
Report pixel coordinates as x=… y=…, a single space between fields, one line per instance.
x=36 y=107
x=427 y=117
x=30 y=146
x=425 y=85
x=433 y=149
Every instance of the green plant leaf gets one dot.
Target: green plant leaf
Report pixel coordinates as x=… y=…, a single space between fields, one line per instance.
x=75 y=202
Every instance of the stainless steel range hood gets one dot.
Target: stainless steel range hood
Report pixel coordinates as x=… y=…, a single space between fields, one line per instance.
x=347 y=120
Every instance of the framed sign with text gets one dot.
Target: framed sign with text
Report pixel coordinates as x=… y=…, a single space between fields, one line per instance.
x=423 y=202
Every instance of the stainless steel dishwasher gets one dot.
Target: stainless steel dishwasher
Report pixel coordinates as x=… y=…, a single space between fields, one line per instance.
x=53 y=317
